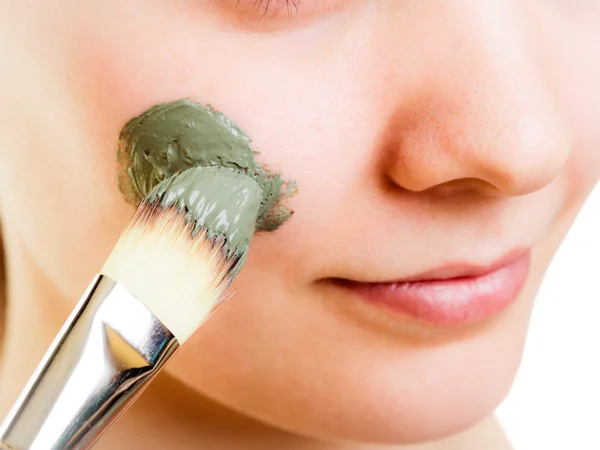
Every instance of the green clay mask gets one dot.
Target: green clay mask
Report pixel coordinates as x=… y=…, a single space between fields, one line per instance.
x=222 y=201
x=171 y=138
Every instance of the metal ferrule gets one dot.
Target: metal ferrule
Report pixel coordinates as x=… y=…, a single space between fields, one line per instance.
x=106 y=353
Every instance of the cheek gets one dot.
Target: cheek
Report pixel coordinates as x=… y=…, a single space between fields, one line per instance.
x=108 y=81
x=60 y=188
x=323 y=142
x=583 y=169
x=575 y=69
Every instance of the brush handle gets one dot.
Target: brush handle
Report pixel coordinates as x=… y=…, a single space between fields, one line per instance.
x=107 y=352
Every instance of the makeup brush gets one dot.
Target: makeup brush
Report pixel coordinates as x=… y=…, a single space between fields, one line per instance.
x=170 y=269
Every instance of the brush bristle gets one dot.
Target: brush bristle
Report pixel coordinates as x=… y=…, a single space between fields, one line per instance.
x=179 y=277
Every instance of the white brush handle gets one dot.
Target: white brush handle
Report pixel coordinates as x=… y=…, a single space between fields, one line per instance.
x=107 y=352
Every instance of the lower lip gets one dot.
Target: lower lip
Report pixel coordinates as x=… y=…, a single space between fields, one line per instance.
x=456 y=301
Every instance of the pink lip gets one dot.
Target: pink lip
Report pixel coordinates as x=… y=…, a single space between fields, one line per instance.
x=452 y=295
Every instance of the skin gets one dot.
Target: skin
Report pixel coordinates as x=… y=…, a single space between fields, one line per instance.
x=421 y=134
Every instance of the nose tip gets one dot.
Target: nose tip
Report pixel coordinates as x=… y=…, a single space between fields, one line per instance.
x=483 y=111
x=514 y=151
x=491 y=126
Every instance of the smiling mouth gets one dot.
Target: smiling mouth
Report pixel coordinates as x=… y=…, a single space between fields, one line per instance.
x=455 y=294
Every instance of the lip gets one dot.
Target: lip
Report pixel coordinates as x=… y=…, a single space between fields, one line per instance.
x=455 y=294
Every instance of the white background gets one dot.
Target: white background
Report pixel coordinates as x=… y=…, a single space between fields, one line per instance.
x=555 y=401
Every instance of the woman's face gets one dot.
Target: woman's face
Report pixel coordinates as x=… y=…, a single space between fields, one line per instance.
x=428 y=140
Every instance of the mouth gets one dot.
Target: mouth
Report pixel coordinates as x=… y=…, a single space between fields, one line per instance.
x=455 y=294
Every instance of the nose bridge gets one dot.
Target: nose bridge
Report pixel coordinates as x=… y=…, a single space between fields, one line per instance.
x=477 y=103
x=463 y=44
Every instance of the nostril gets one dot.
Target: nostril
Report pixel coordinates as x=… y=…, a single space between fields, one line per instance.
x=465 y=188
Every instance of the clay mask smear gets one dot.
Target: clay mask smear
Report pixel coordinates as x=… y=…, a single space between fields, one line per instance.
x=222 y=201
x=171 y=138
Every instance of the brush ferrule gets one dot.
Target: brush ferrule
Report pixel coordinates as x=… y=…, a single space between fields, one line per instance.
x=106 y=353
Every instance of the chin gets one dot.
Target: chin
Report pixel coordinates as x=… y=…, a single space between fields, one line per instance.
x=382 y=417
x=378 y=396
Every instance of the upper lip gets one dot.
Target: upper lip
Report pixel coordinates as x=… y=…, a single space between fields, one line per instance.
x=461 y=269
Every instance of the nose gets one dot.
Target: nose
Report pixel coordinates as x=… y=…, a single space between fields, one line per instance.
x=471 y=100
